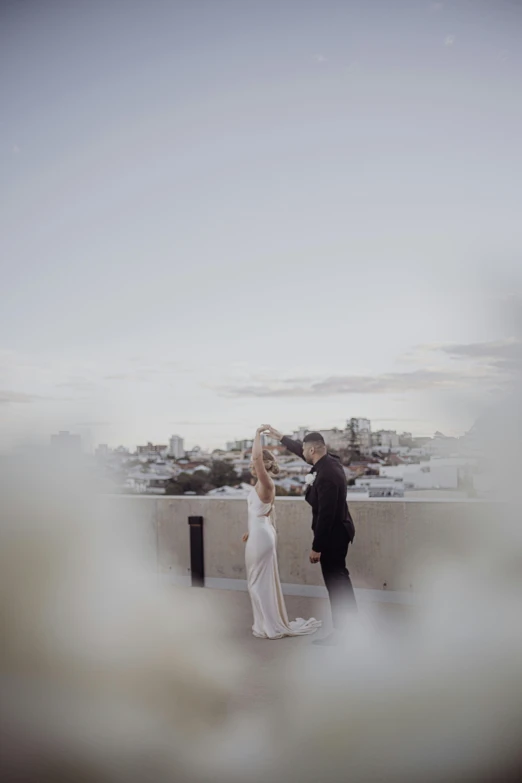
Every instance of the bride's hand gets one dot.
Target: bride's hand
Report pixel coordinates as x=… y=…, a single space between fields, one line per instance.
x=245 y=538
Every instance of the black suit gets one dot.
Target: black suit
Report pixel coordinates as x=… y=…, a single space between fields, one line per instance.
x=333 y=529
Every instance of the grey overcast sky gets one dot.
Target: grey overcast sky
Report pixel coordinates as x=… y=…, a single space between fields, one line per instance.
x=220 y=212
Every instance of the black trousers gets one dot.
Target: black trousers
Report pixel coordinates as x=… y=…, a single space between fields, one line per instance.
x=337 y=577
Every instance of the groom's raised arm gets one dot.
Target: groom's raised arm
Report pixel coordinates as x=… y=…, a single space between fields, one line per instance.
x=295 y=446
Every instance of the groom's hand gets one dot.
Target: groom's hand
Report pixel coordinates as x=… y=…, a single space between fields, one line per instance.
x=315 y=556
x=273 y=432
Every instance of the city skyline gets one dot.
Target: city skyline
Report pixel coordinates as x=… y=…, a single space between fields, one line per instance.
x=174 y=449
x=216 y=215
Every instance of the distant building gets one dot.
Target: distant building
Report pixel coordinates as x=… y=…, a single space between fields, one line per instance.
x=385 y=439
x=293 y=467
x=197 y=454
x=362 y=424
x=67 y=443
x=335 y=439
x=176 y=447
x=378 y=487
x=383 y=482
x=293 y=485
x=421 y=442
x=472 y=443
x=240 y=445
x=102 y=451
x=231 y=492
x=270 y=443
x=438 y=473
x=386 y=492
x=362 y=430
x=406 y=439
x=151 y=449
x=442 y=445
x=300 y=433
x=143 y=483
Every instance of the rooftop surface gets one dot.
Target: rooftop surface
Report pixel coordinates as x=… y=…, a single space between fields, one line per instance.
x=234 y=606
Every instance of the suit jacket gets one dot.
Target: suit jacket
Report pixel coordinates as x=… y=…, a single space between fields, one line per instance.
x=327 y=497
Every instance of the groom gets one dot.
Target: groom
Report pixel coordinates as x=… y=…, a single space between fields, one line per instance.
x=332 y=523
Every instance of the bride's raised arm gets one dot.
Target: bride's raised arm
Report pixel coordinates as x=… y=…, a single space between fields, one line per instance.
x=266 y=486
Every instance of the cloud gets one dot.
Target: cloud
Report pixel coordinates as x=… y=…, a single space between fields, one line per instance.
x=484 y=365
x=449 y=40
x=500 y=354
x=389 y=383
x=7 y=397
x=497 y=356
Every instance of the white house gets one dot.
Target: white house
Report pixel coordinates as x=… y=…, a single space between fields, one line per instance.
x=427 y=475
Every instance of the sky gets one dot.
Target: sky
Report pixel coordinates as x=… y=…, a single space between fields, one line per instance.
x=220 y=213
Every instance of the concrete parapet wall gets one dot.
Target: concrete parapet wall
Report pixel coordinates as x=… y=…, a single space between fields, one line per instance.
x=395 y=539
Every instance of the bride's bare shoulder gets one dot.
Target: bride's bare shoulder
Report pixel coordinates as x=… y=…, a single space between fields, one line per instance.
x=265 y=495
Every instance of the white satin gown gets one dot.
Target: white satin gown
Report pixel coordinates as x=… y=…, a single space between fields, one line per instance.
x=264 y=585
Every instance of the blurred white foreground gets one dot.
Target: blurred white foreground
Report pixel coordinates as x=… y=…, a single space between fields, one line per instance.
x=109 y=676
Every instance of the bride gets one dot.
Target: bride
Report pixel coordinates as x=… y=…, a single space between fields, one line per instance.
x=264 y=586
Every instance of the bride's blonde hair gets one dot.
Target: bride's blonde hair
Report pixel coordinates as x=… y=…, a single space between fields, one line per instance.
x=270 y=463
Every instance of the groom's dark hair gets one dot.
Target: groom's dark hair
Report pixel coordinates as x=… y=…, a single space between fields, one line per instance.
x=314 y=437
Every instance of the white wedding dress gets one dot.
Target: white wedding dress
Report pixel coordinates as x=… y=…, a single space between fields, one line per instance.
x=264 y=586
